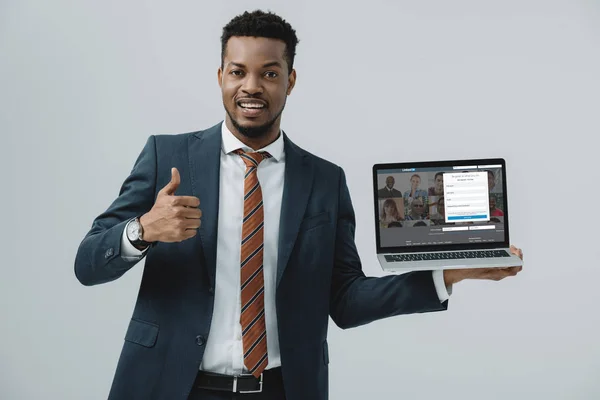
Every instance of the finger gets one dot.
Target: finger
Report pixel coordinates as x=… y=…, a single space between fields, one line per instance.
x=190 y=233
x=173 y=184
x=192 y=224
x=187 y=201
x=497 y=274
x=194 y=214
x=184 y=213
x=512 y=271
x=486 y=272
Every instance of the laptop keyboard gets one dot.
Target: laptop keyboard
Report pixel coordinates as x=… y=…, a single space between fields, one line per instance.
x=455 y=255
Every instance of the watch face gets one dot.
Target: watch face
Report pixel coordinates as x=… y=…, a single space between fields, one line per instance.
x=133 y=230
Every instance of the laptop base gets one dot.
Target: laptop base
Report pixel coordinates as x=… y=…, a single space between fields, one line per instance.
x=460 y=263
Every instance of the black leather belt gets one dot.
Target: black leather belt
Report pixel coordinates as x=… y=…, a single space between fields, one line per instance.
x=236 y=384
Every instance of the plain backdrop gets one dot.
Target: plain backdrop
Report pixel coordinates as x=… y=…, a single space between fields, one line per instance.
x=84 y=83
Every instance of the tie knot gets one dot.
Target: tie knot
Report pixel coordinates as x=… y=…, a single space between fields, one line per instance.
x=252 y=159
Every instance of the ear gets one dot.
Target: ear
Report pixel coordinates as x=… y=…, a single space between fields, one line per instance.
x=220 y=77
x=291 y=81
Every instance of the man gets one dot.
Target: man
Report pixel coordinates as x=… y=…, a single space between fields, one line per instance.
x=249 y=246
x=438 y=185
x=389 y=191
x=439 y=217
x=494 y=211
x=417 y=209
x=491 y=180
x=492 y=188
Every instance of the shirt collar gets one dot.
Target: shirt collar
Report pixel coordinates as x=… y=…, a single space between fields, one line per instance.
x=230 y=143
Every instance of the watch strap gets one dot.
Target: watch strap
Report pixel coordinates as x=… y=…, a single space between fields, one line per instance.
x=138 y=242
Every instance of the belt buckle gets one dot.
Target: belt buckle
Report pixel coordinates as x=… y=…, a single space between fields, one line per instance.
x=260 y=385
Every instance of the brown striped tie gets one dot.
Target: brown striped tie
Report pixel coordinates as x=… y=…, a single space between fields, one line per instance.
x=254 y=329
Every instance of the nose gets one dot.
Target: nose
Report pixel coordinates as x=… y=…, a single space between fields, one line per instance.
x=252 y=85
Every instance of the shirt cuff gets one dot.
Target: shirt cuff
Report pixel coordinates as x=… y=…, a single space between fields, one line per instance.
x=128 y=251
x=443 y=292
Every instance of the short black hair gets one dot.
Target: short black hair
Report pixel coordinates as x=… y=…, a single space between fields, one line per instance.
x=261 y=24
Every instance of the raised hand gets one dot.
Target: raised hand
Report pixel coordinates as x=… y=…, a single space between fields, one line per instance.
x=172 y=218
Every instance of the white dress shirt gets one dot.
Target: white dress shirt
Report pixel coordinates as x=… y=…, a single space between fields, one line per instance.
x=224 y=348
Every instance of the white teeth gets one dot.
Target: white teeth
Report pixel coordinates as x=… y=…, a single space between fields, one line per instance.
x=251 y=105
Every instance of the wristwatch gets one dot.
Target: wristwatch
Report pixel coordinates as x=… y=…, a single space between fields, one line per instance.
x=135 y=233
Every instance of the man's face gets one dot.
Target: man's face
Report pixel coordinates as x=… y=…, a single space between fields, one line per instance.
x=418 y=206
x=439 y=183
x=389 y=182
x=255 y=83
x=491 y=181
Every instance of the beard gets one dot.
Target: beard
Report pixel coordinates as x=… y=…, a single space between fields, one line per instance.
x=254 y=132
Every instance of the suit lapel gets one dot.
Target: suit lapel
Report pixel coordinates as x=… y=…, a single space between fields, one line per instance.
x=205 y=162
x=296 y=190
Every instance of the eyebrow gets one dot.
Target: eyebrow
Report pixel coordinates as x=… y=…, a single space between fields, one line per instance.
x=266 y=65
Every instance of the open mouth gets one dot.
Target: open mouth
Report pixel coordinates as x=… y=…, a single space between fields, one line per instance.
x=252 y=107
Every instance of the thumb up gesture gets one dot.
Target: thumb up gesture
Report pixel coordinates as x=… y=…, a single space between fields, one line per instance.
x=172 y=218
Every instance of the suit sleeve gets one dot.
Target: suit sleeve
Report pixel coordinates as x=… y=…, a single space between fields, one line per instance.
x=356 y=299
x=98 y=258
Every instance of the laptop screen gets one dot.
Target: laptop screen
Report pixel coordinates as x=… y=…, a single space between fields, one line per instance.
x=439 y=205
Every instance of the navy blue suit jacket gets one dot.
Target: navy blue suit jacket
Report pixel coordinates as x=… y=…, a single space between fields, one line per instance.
x=319 y=272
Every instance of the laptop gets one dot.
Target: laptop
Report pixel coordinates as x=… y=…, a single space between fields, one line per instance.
x=434 y=215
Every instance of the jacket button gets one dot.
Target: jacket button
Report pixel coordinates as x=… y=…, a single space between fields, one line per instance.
x=200 y=340
x=211 y=290
x=109 y=253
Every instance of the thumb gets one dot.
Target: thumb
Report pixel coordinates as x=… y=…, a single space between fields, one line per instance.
x=172 y=186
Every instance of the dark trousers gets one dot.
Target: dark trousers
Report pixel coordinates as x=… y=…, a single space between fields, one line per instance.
x=272 y=390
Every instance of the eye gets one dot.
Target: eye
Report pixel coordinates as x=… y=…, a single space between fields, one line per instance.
x=271 y=74
x=236 y=72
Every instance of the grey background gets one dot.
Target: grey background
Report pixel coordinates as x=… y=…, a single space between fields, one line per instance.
x=83 y=84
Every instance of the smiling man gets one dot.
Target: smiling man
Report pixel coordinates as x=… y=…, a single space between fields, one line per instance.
x=254 y=101
x=249 y=247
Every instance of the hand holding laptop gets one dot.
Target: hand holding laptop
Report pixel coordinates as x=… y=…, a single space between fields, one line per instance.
x=452 y=276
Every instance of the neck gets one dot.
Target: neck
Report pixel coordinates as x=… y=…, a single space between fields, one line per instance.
x=257 y=142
